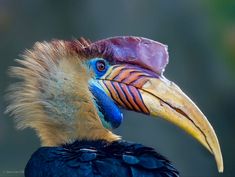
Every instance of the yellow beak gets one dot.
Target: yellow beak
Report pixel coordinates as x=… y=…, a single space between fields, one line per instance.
x=140 y=90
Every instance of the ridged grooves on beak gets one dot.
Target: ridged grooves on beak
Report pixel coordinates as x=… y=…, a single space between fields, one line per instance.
x=128 y=97
x=142 y=91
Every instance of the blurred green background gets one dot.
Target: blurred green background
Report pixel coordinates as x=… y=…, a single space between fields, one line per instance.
x=201 y=39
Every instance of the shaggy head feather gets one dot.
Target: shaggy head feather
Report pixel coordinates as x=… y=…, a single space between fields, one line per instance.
x=52 y=95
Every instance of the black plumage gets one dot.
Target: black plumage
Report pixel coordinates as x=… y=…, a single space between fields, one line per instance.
x=99 y=159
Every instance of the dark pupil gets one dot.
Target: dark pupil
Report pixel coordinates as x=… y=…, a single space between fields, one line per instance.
x=100 y=65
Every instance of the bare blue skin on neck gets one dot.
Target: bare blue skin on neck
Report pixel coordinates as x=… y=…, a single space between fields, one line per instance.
x=110 y=115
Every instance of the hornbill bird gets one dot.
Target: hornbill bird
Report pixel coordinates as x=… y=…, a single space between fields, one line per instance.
x=71 y=93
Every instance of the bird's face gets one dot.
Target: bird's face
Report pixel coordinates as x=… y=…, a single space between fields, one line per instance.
x=136 y=85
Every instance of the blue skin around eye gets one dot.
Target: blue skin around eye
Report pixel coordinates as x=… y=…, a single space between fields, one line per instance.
x=107 y=107
x=92 y=65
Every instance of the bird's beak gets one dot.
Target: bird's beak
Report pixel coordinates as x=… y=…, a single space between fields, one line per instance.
x=143 y=91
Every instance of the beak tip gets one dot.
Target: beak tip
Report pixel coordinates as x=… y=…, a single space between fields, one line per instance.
x=221 y=169
x=221 y=166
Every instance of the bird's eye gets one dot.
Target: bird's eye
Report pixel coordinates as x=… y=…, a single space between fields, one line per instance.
x=100 y=65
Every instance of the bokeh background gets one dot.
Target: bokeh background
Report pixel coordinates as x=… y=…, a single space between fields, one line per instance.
x=201 y=39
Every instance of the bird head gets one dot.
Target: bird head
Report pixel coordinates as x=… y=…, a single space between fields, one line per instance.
x=73 y=90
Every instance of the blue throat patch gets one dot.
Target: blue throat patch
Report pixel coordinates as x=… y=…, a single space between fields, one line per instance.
x=111 y=115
